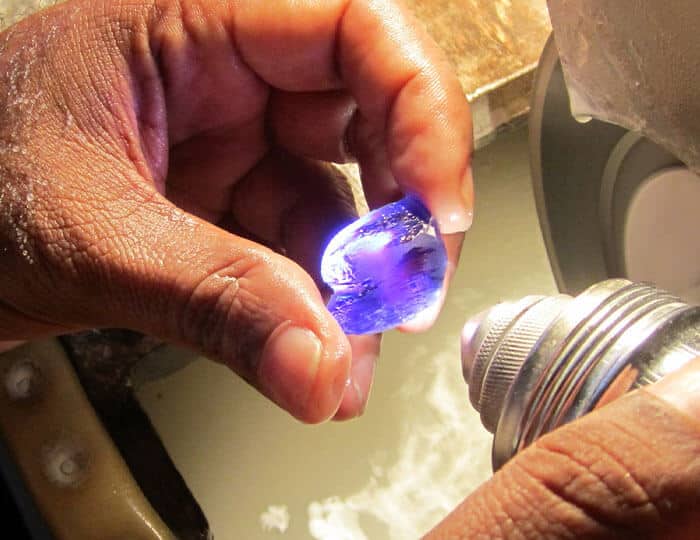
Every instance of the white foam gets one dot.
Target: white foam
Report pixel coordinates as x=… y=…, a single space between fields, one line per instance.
x=408 y=494
x=275 y=518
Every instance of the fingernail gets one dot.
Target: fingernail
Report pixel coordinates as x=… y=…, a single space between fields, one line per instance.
x=468 y=188
x=289 y=366
x=368 y=349
x=681 y=388
x=354 y=400
x=361 y=402
x=457 y=216
x=453 y=246
x=453 y=219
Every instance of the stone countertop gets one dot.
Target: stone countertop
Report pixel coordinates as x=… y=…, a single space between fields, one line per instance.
x=12 y=11
x=494 y=46
x=490 y=42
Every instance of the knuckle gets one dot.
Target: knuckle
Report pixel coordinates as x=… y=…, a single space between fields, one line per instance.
x=227 y=319
x=590 y=475
x=533 y=506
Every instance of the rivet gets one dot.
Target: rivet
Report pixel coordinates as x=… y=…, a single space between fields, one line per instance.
x=23 y=380
x=65 y=462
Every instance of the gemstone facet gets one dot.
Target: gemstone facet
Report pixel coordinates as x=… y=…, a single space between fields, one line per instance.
x=385 y=268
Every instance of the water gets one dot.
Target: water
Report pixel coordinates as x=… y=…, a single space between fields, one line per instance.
x=385 y=268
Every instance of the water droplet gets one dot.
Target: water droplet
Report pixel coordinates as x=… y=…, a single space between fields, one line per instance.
x=583 y=118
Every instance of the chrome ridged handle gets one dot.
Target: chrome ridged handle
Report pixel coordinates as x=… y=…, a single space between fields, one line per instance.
x=540 y=362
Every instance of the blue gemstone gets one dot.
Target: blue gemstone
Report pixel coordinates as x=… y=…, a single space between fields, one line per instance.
x=385 y=268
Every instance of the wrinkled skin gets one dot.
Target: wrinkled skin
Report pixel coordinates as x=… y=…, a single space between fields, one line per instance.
x=163 y=168
x=630 y=469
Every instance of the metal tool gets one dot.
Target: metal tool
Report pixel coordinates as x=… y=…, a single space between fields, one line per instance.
x=616 y=187
x=75 y=441
x=540 y=362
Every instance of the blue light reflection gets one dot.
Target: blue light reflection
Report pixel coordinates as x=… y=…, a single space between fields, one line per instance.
x=385 y=268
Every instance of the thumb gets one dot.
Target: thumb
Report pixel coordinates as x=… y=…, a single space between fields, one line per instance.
x=234 y=300
x=630 y=469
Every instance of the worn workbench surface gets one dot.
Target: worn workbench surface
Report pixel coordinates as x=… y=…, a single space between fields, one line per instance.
x=488 y=41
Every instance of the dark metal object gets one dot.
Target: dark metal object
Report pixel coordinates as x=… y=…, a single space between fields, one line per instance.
x=634 y=64
x=104 y=360
x=542 y=362
x=585 y=179
x=20 y=513
x=567 y=161
x=585 y=176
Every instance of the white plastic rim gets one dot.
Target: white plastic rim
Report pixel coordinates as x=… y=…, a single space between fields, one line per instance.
x=662 y=233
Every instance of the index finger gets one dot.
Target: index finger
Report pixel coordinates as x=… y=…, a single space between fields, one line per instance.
x=407 y=95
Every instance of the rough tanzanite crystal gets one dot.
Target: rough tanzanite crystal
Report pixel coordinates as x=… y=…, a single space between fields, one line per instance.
x=385 y=268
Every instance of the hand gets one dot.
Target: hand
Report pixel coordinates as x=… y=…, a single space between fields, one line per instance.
x=162 y=163
x=630 y=469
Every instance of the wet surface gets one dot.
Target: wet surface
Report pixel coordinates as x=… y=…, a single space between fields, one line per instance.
x=419 y=448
